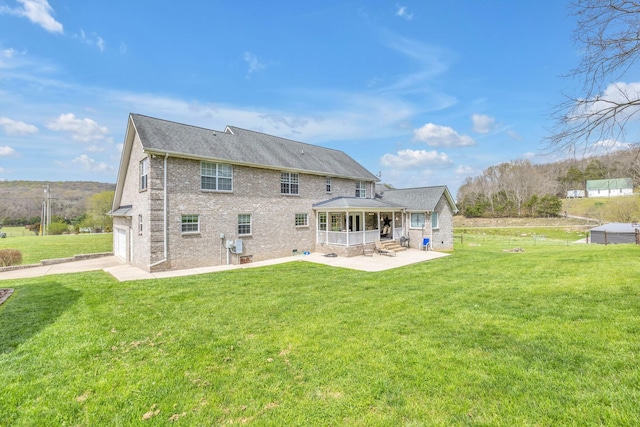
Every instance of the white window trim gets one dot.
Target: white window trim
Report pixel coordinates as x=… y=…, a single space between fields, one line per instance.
x=250 y=233
x=182 y=223
x=411 y=226
x=327 y=184
x=322 y=216
x=361 y=190
x=297 y=184
x=437 y=226
x=144 y=174
x=306 y=220
x=216 y=177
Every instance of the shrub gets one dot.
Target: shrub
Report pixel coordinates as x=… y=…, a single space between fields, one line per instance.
x=10 y=257
x=56 y=228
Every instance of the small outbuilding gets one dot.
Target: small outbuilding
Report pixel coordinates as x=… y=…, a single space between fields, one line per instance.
x=610 y=187
x=616 y=232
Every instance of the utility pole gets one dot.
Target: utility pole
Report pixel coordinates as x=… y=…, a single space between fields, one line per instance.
x=46 y=210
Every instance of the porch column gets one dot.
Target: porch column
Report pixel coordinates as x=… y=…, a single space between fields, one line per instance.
x=346 y=215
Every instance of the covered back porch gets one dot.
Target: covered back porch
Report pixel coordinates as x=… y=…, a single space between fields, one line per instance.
x=347 y=225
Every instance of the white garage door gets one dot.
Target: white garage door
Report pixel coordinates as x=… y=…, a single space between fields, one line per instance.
x=120 y=244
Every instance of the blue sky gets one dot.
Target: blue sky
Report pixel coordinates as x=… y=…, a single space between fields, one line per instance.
x=422 y=92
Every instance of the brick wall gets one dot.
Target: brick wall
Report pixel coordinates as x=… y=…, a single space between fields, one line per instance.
x=442 y=238
x=256 y=192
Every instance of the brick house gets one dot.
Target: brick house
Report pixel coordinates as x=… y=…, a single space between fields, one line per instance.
x=192 y=197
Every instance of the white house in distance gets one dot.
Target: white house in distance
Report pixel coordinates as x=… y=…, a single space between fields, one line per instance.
x=610 y=187
x=192 y=197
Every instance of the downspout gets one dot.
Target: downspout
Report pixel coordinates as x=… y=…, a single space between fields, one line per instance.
x=431 y=228
x=164 y=212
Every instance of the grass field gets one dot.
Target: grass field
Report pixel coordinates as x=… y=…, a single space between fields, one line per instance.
x=37 y=248
x=548 y=336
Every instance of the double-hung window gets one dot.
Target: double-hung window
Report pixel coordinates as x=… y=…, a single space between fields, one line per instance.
x=244 y=224
x=144 y=173
x=190 y=223
x=289 y=183
x=139 y=224
x=328 y=184
x=216 y=176
x=361 y=189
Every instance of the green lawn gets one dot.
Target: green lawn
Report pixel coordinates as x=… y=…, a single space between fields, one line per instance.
x=36 y=248
x=548 y=337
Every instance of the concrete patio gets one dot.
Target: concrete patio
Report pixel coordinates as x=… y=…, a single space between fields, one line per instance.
x=124 y=272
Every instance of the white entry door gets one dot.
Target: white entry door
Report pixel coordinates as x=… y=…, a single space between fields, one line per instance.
x=120 y=243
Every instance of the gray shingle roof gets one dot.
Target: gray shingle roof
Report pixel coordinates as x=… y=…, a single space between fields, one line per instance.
x=121 y=211
x=355 y=203
x=418 y=199
x=245 y=147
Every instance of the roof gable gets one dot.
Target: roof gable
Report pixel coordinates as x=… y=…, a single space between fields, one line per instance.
x=420 y=198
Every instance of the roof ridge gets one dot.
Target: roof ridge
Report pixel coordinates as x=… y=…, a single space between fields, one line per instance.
x=414 y=188
x=176 y=123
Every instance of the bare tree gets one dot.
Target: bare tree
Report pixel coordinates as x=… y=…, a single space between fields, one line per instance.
x=608 y=35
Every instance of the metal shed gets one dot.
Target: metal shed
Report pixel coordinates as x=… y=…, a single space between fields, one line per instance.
x=616 y=232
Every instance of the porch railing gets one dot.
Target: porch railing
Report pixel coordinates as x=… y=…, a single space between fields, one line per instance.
x=344 y=238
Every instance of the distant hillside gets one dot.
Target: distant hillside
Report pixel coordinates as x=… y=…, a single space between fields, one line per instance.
x=520 y=188
x=23 y=199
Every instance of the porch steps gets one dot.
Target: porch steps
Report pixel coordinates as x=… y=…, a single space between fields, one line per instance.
x=392 y=245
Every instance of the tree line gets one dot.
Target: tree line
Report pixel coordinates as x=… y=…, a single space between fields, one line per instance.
x=75 y=205
x=522 y=189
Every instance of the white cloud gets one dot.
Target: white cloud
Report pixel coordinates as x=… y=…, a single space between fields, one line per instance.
x=37 y=11
x=514 y=135
x=482 y=123
x=408 y=159
x=464 y=170
x=84 y=130
x=7 y=151
x=441 y=136
x=404 y=13
x=12 y=127
x=8 y=53
x=612 y=144
x=600 y=106
x=89 y=164
x=93 y=40
x=254 y=64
